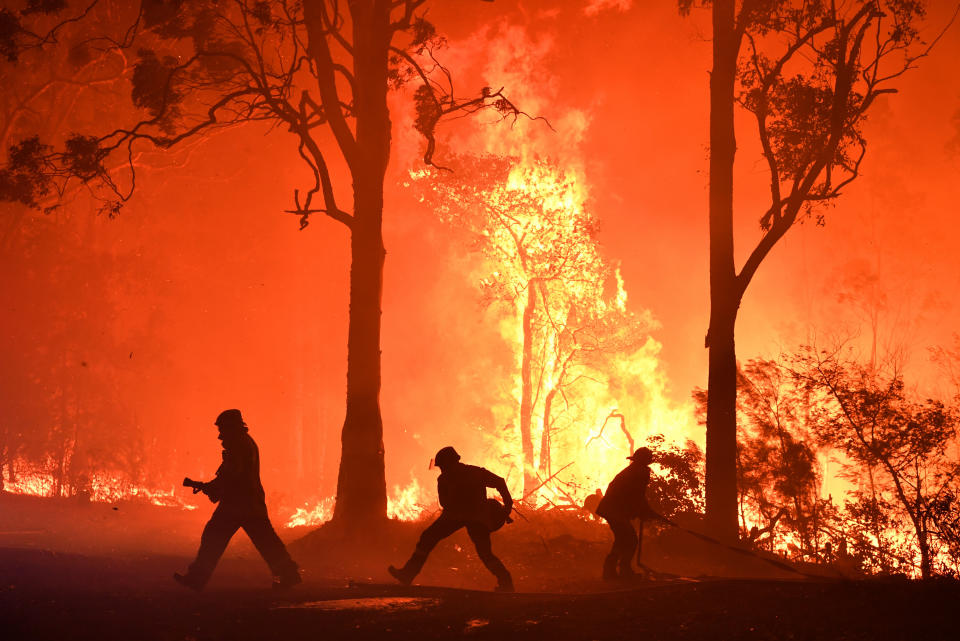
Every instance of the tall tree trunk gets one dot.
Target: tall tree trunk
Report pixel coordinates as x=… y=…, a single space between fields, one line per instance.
x=875 y=521
x=721 y=455
x=526 y=390
x=545 y=462
x=923 y=539
x=361 y=484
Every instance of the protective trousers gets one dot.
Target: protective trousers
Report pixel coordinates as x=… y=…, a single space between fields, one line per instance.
x=443 y=527
x=625 y=543
x=221 y=527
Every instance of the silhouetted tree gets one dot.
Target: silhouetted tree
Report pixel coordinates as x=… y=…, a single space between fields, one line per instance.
x=808 y=73
x=312 y=68
x=677 y=486
x=869 y=415
x=778 y=475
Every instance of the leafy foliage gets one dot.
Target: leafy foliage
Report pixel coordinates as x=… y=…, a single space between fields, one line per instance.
x=25 y=179
x=896 y=452
x=898 y=444
x=778 y=469
x=84 y=156
x=11 y=35
x=154 y=87
x=678 y=489
x=205 y=64
x=809 y=74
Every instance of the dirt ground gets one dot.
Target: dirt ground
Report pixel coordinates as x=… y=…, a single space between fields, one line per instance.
x=92 y=572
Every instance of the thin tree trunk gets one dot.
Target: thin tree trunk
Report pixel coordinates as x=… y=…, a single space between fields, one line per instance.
x=545 y=462
x=721 y=455
x=361 y=483
x=526 y=391
x=923 y=538
x=875 y=523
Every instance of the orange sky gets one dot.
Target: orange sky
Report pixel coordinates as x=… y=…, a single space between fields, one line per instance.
x=245 y=310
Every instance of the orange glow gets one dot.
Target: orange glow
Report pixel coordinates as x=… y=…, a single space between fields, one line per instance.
x=405 y=503
x=312 y=516
x=102 y=488
x=124 y=338
x=592 y=353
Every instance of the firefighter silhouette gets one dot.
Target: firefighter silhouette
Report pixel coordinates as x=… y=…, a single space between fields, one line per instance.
x=591 y=503
x=240 y=504
x=463 y=496
x=626 y=499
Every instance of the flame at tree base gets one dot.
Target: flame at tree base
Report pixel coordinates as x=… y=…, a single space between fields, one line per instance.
x=406 y=503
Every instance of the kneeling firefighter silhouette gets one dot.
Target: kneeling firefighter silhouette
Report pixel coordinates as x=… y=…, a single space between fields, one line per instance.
x=241 y=504
x=463 y=496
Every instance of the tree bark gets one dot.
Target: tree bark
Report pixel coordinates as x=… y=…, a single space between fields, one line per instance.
x=721 y=454
x=361 y=483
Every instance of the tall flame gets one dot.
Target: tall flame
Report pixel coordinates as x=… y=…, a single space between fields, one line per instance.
x=581 y=354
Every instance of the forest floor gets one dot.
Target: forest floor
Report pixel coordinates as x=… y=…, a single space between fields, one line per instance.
x=92 y=572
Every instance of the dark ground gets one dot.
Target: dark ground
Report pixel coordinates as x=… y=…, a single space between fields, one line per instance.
x=111 y=580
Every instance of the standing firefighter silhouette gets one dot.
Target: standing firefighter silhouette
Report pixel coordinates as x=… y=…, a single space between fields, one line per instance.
x=626 y=499
x=241 y=504
x=463 y=497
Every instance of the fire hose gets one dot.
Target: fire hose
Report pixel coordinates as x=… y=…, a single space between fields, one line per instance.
x=739 y=550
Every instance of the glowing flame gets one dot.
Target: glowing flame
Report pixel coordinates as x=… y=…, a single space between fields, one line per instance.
x=30 y=484
x=105 y=489
x=579 y=350
x=406 y=503
x=99 y=488
x=312 y=516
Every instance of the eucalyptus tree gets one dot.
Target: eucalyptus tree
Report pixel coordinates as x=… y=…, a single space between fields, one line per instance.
x=807 y=73
x=319 y=71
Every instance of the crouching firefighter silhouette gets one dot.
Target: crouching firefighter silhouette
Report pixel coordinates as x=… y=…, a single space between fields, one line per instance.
x=241 y=504
x=625 y=500
x=463 y=497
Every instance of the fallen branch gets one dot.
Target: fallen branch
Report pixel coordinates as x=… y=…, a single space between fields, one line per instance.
x=623 y=427
x=550 y=478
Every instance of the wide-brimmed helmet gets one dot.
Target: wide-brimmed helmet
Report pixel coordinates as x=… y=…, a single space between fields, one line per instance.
x=446 y=456
x=642 y=455
x=230 y=419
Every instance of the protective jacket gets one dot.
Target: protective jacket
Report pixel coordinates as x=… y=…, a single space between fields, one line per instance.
x=237 y=483
x=463 y=491
x=626 y=496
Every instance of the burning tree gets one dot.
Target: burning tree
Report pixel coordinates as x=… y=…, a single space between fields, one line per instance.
x=901 y=445
x=808 y=73
x=52 y=396
x=896 y=449
x=63 y=416
x=779 y=476
x=528 y=221
x=312 y=69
